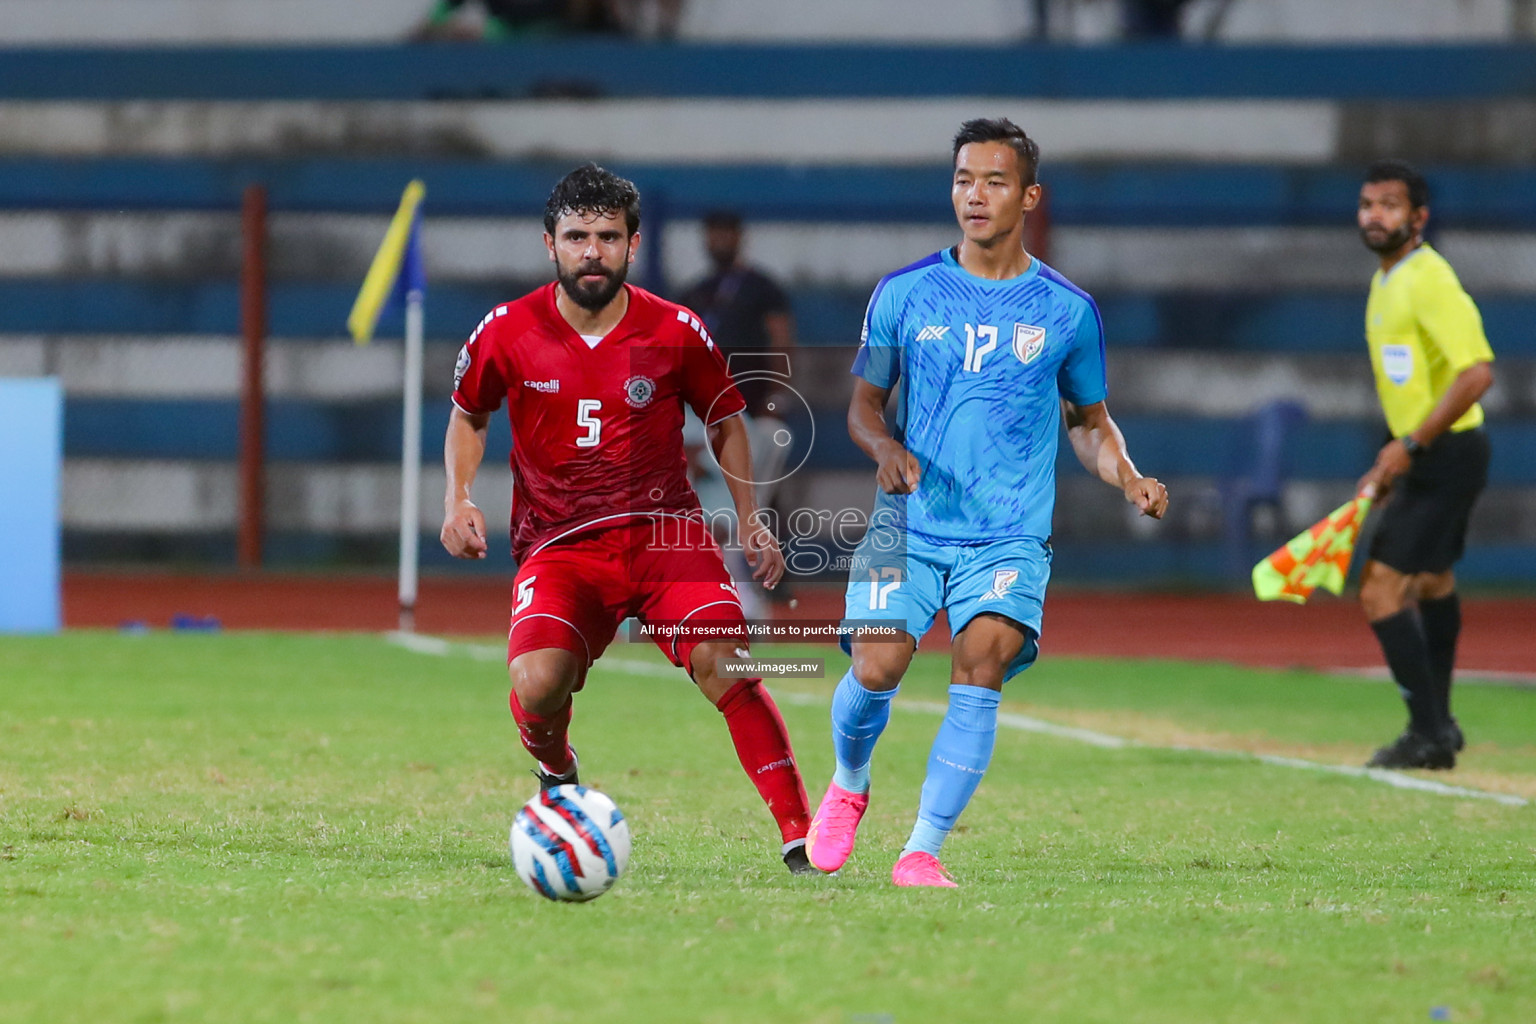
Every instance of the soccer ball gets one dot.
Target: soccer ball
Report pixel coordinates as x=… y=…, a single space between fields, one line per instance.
x=570 y=843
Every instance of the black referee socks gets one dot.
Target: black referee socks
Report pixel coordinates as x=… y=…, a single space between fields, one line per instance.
x=1403 y=641
x=1441 y=618
x=1442 y=625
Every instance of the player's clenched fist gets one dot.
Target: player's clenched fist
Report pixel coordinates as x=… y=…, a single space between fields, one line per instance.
x=1148 y=495
x=464 y=531
x=898 y=472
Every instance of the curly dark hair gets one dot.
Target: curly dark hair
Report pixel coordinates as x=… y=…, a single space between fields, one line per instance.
x=1400 y=170
x=987 y=129
x=591 y=189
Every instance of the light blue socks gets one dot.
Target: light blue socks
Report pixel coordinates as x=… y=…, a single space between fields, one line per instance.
x=960 y=755
x=858 y=718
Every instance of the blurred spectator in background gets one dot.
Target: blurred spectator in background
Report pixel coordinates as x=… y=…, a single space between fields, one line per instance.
x=649 y=17
x=749 y=317
x=1151 y=19
x=510 y=18
x=744 y=308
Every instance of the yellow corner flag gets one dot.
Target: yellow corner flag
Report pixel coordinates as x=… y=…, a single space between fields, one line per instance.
x=1318 y=557
x=400 y=250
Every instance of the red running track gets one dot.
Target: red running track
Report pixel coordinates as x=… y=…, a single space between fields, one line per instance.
x=1499 y=635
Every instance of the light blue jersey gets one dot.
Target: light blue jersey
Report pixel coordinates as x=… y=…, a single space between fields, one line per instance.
x=979 y=367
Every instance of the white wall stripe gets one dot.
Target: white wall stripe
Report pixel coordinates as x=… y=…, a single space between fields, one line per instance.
x=719 y=131
x=328 y=246
x=87 y=22
x=1026 y=723
x=209 y=366
x=194 y=496
x=852 y=254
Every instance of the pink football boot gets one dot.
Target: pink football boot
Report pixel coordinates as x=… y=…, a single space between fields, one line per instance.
x=830 y=839
x=921 y=869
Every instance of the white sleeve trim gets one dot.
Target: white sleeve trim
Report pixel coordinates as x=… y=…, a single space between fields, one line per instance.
x=454 y=399
x=722 y=419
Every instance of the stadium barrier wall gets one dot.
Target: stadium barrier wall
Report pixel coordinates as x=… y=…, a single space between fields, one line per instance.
x=331 y=438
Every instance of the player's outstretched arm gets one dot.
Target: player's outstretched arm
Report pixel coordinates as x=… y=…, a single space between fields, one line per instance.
x=1100 y=447
x=897 y=471
x=463 y=449
x=728 y=439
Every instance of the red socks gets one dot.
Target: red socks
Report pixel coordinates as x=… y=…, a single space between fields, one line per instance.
x=762 y=744
x=544 y=737
x=757 y=730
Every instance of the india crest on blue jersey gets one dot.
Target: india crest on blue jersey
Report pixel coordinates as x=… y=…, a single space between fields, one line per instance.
x=1028 y=341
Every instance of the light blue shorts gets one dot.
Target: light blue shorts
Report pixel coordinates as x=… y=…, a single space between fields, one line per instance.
x=902 y=580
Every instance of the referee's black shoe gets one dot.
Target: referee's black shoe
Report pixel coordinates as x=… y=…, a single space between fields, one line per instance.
x=1413 y=750
x=1451 y=735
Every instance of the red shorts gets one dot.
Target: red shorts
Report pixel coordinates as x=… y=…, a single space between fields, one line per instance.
x=668 y=573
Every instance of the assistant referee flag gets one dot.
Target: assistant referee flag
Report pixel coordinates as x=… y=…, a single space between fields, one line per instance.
x=397 y=270
x=1317 y=557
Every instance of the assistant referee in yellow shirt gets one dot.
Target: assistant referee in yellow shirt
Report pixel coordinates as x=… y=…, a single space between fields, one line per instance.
x=1432 y=364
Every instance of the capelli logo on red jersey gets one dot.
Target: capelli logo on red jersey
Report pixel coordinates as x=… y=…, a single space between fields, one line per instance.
x=548 y=387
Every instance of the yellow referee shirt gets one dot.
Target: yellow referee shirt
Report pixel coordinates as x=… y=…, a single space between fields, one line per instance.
x=1423 y=330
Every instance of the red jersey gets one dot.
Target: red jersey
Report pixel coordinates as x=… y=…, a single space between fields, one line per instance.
x=597 y=430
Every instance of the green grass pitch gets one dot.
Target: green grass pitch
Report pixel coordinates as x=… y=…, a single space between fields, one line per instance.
x=266 y=827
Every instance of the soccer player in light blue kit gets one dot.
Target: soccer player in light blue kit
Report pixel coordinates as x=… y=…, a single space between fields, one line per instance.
x=989 y=349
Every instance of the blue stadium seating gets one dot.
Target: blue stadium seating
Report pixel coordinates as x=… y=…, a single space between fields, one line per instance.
x=622 y=69
x=1172 y=195
x=1278 y=323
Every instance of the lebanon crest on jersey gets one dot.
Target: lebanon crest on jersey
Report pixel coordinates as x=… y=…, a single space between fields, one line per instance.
x=638 y=391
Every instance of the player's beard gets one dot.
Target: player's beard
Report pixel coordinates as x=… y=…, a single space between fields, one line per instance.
x=596 y=296
x=1391 y=241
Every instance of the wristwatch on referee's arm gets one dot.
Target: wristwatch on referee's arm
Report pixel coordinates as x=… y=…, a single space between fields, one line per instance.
x=1411 y=445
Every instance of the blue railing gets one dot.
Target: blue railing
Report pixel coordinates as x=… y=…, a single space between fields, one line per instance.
x=599 y=67
x=1280 y=323
x=1153 y=194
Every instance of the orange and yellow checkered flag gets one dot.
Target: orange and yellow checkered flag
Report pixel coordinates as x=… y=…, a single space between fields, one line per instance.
x=1317 y=557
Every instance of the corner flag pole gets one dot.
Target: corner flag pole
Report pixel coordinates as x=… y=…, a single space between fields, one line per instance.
x=399 y=271
x=410 y=461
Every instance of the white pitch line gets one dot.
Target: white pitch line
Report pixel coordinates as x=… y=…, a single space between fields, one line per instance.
x=1390 y=778
x=441 y=648
x=1464 y=677
x=1024 y=723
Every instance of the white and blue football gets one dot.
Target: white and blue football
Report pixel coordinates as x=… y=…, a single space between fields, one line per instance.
x=570 y=843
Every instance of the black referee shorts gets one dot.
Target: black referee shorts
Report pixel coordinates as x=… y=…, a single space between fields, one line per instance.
x=1423 y=526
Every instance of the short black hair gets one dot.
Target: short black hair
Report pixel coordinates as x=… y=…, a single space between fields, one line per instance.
x=591 y=189
x=1000 y=129
x=1401 y=170
x=721 y=217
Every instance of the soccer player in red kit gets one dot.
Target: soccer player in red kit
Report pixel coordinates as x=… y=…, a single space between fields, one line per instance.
x=595 y=373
